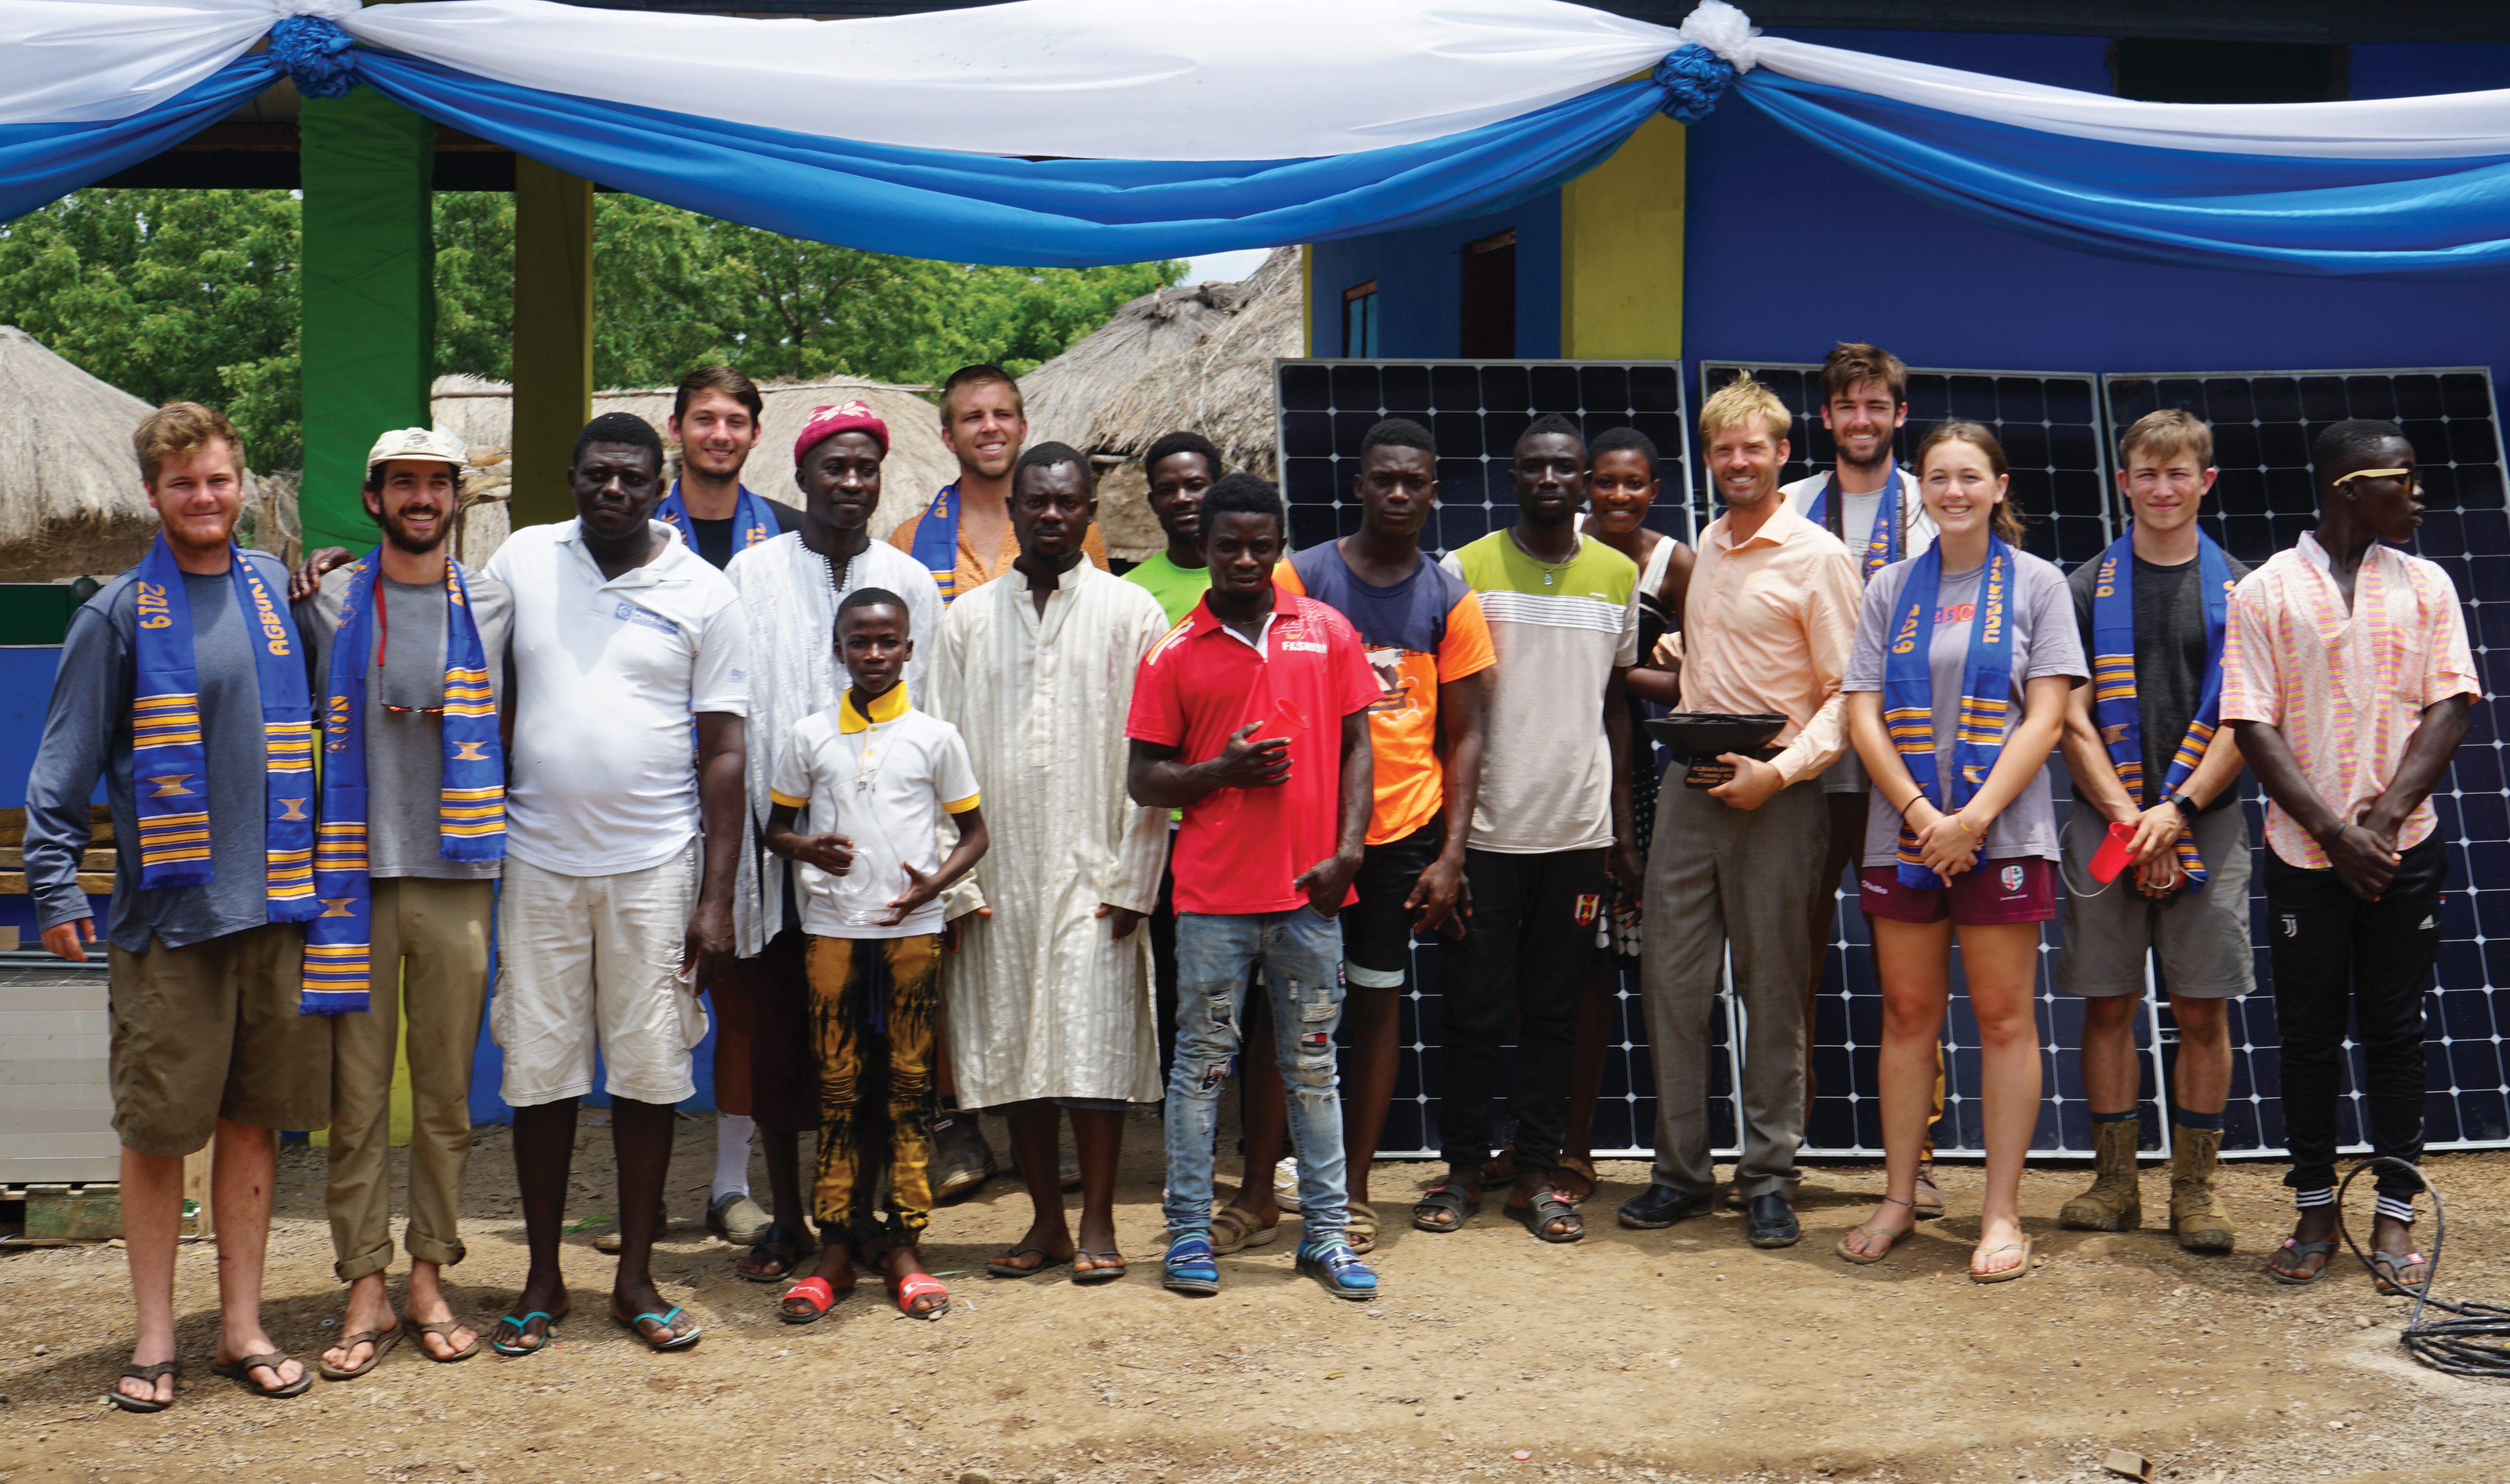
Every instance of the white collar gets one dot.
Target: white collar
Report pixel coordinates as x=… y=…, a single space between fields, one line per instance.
x=1263 y=630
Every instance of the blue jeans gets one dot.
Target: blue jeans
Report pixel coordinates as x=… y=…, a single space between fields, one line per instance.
x=1300 y=955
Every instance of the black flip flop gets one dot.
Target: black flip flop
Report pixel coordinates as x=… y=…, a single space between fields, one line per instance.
x=2301 y=1249
x=1105 y=1267
x=150 y=1373
x=1045 y=1260
x=239 y=1371
x=1449 y=1198
x=777 y=1236
x=1544 y=1209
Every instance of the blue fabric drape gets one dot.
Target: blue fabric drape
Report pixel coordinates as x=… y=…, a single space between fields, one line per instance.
x=981 y=209
x=45 y=161
x=2394 y=218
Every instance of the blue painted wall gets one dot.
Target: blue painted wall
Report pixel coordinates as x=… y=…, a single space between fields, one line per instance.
x=1790 y=249
x=1420 y=282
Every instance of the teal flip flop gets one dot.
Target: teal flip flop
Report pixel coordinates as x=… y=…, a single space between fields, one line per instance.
x=522 y=1323
x=630 y=1323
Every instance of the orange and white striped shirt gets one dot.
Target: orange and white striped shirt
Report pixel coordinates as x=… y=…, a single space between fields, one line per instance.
x=2345 y=689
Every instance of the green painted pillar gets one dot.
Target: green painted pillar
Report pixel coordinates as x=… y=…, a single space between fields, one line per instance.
x=553 y=337
x=368 y=343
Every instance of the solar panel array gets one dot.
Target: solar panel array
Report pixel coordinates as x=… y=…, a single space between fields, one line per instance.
x=1475 y=411
x=2058 y=430
x=2263 y=424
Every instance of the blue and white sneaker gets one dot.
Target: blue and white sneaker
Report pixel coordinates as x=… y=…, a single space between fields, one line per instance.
x=1332 y=1263
x=1190 y=1265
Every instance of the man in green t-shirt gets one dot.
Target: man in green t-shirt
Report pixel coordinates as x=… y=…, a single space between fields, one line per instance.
x=1181 y=466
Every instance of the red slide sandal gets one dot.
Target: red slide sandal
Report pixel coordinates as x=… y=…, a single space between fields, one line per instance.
x=921 y=1285
x=817 y=1293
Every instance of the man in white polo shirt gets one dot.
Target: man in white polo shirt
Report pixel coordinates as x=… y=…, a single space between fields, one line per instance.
x=621 y=635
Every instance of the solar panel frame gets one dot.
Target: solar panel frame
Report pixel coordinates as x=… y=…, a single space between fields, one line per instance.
x=2260 y=507
x=1318 y=436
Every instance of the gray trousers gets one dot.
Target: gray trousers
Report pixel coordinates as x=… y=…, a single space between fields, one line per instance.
x=1719 y=876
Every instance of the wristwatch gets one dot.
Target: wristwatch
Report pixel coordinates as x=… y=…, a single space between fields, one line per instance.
x=2188 y=809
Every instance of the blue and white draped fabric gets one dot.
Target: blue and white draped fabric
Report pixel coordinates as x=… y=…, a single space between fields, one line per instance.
x=2114 y=709
x=1986 y=699
x=169 y=767
x=936 y=541
x=1882 y=544
x=471 y=807
x=1079 y=132
x=754 y=519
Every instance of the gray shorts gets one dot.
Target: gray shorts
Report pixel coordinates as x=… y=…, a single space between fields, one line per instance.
x=2201 y=937
x=1847 y=774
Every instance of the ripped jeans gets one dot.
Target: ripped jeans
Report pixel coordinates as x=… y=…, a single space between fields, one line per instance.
x=1300 y=955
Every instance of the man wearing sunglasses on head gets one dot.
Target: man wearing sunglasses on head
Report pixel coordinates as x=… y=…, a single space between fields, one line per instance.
x=398 y=643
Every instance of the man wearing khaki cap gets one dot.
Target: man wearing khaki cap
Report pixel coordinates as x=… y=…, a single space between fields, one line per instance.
x=406 y=646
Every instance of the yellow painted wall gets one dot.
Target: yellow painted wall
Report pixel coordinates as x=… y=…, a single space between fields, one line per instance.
x=1620 y=252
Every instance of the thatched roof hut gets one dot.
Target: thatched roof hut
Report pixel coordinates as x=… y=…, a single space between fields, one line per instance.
x=1198 y=358
x=918 y=464
x=71 y=499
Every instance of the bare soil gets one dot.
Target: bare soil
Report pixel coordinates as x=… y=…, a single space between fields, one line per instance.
x=1681 y=1354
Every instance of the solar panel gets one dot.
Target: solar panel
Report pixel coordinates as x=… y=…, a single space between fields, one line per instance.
x=1475 y=410
x=2264 y=423
x=2050 y=426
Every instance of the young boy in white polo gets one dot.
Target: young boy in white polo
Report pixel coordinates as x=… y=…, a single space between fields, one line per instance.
x=877 y=777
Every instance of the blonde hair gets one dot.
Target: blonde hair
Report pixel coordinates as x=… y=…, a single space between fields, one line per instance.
x=1740 y=400
x=2007 y=520
x=178 y=429
x=2170 y=430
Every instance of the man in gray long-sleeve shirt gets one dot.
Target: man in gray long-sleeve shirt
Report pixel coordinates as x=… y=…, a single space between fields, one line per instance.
x=206 y=1033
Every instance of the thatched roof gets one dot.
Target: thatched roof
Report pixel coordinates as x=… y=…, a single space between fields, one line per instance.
x=1198 y=358
x=918 y=464
x=70 y=501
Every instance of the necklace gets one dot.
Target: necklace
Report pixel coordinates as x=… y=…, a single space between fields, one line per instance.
x=1552 y=571
x=838 y=572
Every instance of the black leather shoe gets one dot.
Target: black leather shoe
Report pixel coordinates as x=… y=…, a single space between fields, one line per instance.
x=1661 y=1205
x=1774 y=1222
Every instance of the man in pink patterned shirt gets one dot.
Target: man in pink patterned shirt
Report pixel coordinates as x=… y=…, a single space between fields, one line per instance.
x=2347 y=674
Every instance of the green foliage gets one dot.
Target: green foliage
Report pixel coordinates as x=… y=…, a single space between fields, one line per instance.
x=169 y=295
x=173 y=294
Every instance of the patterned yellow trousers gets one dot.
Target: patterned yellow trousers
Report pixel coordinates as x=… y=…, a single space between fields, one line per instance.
x=873 y=1005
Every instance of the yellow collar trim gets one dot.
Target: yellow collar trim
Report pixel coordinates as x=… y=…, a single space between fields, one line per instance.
x=889 y=706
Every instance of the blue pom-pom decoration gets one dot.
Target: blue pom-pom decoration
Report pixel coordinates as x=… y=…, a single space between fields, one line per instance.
x=1693 y=79
x=313 y=53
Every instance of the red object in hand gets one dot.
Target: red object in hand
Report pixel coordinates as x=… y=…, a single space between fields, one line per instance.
x=1288 y=718
x=2114 y=853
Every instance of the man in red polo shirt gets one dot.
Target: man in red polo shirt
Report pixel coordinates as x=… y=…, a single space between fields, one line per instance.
x=1252 y=718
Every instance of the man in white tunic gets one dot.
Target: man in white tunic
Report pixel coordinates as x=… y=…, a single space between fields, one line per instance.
x=1048 y=997
x=790 y=585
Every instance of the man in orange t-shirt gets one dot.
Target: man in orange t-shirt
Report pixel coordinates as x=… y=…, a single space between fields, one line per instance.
x=1428 y=646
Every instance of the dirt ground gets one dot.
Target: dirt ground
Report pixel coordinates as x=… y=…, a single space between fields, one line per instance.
x=1681 y=1354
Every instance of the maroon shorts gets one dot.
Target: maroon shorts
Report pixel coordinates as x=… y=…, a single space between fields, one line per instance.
x=2019 y=889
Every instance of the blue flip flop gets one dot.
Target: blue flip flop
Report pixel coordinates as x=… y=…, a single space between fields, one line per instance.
x=522 y=1323
x=630 y=1323
x=1191 y=1267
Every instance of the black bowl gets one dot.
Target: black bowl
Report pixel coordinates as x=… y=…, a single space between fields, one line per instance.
x=1707 y=734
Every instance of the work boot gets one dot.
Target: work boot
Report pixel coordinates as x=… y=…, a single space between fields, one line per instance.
x=2114 y=1202
x=2196 y=1212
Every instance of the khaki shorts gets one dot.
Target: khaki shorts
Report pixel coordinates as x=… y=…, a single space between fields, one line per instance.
x=588 y=961
x=212 y=1030
x=2199 y=939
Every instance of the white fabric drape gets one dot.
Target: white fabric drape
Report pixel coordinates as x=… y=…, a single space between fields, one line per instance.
x=1041 y=1001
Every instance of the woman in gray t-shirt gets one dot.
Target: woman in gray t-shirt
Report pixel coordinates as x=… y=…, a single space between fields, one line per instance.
x=1985 y=870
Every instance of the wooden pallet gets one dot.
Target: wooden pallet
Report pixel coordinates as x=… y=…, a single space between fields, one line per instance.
x=57 y=1215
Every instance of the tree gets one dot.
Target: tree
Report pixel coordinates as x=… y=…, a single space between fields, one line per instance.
x=193 y=294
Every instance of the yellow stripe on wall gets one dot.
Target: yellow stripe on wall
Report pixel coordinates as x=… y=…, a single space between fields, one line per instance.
x=1620 y=252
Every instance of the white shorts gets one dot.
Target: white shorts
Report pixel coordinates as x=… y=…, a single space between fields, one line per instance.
x=586 y=961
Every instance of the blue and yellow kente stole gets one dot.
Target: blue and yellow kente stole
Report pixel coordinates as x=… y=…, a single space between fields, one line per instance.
x=2114 y=709
x=936 y=541
x=1987 y=691
x=1882 y=544
x=754 y=519
x=470 y=812
x=169 y=763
